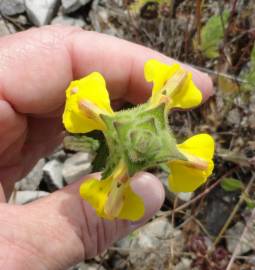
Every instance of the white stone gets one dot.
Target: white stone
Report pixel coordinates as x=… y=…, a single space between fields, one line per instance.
x=185 y=196
x=248 y=240
x=92 y=266
x=23 y=197
x=65 y=20
x=150 y=234
x=184 y=264
x=12 y=7
x=87 y=266
x=73 y=5
x=6 y=28
x=77 y=166
x=33 y=179
x=234 y=116
x=59 y=154
x=150 y=246
x=53 y=170
x=40 y=12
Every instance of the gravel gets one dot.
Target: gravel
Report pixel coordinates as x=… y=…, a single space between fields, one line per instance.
x=41 y=12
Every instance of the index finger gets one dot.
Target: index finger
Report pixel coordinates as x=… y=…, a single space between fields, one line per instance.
x=37 y=65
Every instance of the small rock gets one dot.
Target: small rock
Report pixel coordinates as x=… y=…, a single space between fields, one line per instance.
x=251 y=260
x=86 y=266
x=234 y=117
x=150 y=246
x=41 y=12
x=12 y=7
x=77 y=166
x=73 y=5
x=23 y=197
x=233 y=237
x=92 y=266
x=65 y=20
x=217 y=209
x=33 y=179
x=101 y=21
x=53 y=170
x=185 y=196
x=59 y=155
x=22 y=19
x=184 y=264
x=6 y=28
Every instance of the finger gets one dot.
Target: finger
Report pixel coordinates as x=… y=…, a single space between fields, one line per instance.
x=54 y=56
x=12 y=125
x=74 y=230
x=122 y=64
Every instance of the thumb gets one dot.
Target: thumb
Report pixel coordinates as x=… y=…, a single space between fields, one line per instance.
x=63 y=229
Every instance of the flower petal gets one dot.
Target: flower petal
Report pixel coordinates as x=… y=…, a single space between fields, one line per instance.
x=188 y=96
x=95 y=192
x=133 y=206
x=186 y=179
x=91 y=89
x=158 y=73
x=104 y=194
x=201 y=145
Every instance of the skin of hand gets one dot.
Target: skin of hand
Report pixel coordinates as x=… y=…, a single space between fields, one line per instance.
x=36 y=67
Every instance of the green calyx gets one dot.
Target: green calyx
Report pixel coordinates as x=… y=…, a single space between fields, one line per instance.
x=141 y=137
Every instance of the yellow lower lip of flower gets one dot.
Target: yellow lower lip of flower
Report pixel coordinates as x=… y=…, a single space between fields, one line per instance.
x=86 y=100
x=194 y=162
x=187 y=176
x=174 y=82
x=187 y=179
x=113 y=197
x=111 y=202
x=91 y=112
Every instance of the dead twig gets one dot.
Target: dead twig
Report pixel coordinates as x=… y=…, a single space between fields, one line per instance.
x=202 y=194
x=248 y=225
x=234 y=211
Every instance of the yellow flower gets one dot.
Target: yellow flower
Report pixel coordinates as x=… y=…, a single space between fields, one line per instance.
x=186 y=176
x=86 y=99
x=171 y=82
x=113 y=197
x=88 y=108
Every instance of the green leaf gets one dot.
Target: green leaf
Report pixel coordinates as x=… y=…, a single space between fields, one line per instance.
x=100 y=160
x=231 y=184
x=137 y=6
x=253 y=54
x=249 y=202
x=212 y=34
x=81 y=143
x=248 y=75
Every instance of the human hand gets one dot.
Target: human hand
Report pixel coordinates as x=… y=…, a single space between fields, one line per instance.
x=36 y=67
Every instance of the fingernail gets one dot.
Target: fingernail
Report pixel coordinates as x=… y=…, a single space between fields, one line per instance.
x=150 y=189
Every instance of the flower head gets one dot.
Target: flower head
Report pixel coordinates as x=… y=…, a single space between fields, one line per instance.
x=172 y=82
x=186 y=176
x=138 y=138
x=86 y=99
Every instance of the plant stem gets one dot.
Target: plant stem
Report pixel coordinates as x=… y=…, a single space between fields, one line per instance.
x=234 y=211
